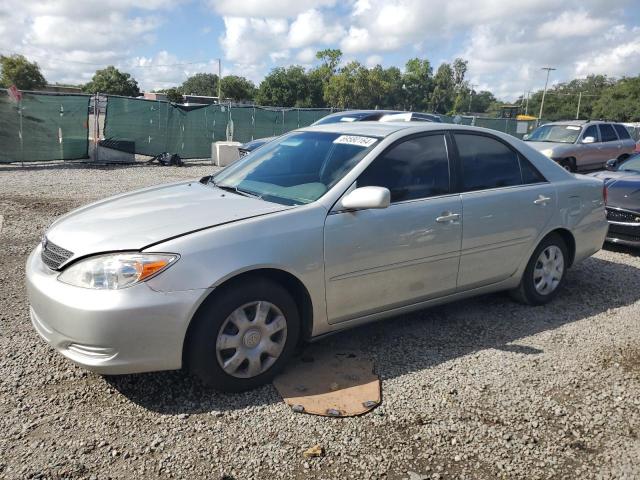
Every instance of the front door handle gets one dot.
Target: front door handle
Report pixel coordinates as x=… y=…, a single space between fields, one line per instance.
x=447 y=217
x=542 y=200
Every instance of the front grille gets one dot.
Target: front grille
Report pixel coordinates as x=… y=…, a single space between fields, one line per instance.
x=615 y=215
x=53 y=256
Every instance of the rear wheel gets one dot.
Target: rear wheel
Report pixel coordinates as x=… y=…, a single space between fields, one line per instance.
x=545 y=273
x=243 y=335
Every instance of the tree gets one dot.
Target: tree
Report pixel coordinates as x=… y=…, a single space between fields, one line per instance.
x=442 y=97
x=620 y=102
x=174 y=95
x=460 y=87
x=418 y=84
x=285 y=87
x=18 y=71
x=112 y=81
x=237 y=88
x=330 y=59
x=204 y=84
x=561 y=101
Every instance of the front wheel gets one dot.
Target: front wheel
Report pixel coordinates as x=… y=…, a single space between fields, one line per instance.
x=569 y=164
x=243 y=335
x=545 y=272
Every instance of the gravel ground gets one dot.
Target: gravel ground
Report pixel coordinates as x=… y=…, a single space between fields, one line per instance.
x=483 y=388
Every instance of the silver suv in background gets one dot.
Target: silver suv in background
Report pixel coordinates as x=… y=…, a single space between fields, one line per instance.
x=580 y=145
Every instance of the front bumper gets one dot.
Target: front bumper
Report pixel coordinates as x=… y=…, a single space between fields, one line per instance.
x=132 y=330
x=623 y=227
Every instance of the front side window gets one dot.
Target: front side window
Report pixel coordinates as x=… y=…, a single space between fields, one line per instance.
x=416 y=168
x=591 y=131
x=486 y=163
x=555 y=134
x=297 y=168
x=608 y=133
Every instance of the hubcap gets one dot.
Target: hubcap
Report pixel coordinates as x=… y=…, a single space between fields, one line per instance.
x=548 y=270
x=251 y=339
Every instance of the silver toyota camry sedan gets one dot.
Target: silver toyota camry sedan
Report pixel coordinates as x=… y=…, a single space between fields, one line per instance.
x=324 y=228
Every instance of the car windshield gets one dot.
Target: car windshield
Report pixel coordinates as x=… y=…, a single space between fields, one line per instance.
x=347 y=117
x=632 y=164
x=297 y=168
x=555 y=133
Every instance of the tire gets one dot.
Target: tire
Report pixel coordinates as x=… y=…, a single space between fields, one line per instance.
x=217 y=338
x=527 y=292
x=569 y=164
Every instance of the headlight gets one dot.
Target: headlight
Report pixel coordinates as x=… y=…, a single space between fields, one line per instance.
x=547 y=152
x=117 y=270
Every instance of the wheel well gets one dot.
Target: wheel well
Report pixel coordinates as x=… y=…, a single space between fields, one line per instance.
x=288 y=281
x=569 y=241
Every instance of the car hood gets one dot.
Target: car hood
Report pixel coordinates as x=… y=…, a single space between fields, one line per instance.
x=623 y=189
x=135 y=220
x=547 y=145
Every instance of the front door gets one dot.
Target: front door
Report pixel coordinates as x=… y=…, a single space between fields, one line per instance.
x=376 y=260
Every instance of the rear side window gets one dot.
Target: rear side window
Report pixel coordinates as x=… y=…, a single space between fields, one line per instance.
x=486 y=163
x=622 y=132
x=608 y=133
x=591 y=131
x=416 y=168
x=530 y=174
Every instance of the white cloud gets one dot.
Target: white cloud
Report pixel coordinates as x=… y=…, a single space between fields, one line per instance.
x=269 y=8
x=373 y=60
x=572 y=24
x=310 y=27
x=71 y=39
x=306 y=55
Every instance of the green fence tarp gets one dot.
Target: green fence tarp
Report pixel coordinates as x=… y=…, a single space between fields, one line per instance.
x=53 y=127
x=151 y=127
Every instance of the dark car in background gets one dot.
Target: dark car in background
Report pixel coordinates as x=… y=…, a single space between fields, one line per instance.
x=622 y=185
x=354 y=116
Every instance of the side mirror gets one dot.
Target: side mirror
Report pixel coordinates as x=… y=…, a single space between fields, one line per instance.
x=611 y=165
x=205 y=180
x=588 y=140
x=525 y=136
x=366 y=198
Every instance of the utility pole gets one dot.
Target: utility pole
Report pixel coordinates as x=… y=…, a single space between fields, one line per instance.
x=219 y=81
x=544 y=93
x=471 y=85
x=526 y=105
x=579 y=100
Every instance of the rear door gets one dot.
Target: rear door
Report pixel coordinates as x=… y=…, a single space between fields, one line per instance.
x=627 y=144
x=611 y=144
x=506 y=203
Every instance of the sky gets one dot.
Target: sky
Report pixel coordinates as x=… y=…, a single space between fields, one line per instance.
x=162 y=42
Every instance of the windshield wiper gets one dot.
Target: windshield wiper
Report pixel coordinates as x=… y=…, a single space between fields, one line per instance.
x=236 y=190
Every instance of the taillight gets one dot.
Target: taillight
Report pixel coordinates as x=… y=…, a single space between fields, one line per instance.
x=604 y=193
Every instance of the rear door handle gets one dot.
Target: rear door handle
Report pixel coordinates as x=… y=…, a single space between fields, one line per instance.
x=542 y=200
x=447 y=217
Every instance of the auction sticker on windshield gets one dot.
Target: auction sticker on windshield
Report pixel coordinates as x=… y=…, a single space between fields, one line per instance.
x=355 y=140
x=572 y=127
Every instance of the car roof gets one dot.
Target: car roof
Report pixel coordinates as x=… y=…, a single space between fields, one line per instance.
x=384 y=129
x=579 y=123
